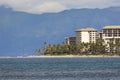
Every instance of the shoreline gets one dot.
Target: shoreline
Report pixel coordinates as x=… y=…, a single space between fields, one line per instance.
x=65 y=56
x=73 y=56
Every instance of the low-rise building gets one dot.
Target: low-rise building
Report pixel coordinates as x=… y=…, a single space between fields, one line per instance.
x=70 y=40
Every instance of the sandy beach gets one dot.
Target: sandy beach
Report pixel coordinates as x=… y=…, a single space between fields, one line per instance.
x=64 y=56
x=70 y=56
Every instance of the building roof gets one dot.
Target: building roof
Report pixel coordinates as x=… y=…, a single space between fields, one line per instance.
x=111 y=27
x=86 y=29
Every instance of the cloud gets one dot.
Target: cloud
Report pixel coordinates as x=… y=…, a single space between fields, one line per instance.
x=33 y=6
x=47 y=6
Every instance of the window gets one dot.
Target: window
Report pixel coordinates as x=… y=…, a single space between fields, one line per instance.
x=119 y=30
x=115 y=32
x=104 y=31
x=109 y=34
x=109 y=30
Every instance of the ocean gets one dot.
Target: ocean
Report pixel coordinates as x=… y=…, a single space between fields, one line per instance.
x=60 y=68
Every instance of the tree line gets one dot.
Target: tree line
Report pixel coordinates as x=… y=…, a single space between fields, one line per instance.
x=98 y=48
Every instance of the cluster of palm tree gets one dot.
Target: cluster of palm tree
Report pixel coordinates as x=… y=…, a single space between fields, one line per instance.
x=98 y=48
x=114 y=46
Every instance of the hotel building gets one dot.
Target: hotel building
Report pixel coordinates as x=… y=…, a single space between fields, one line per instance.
x=86 y=35
x=110 y=34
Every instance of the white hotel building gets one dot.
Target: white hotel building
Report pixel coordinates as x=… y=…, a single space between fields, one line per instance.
x=86 y=35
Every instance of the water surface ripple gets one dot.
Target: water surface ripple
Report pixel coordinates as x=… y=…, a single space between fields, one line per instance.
x=60 y=69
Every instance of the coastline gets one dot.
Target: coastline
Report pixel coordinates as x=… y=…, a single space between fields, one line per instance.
x=65 y=56
x=73 y=56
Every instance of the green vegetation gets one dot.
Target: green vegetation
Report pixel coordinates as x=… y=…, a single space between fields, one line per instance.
x=98 y=48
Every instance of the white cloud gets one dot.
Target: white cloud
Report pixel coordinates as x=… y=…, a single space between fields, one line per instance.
x=33 y=6
x=44 y=6
x=47 y=7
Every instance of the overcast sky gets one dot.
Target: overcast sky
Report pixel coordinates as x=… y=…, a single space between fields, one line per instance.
x=45 y=6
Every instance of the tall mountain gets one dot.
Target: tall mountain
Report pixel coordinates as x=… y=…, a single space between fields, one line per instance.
x=21 y=33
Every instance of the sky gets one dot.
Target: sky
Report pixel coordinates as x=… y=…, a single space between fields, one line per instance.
x=53 y=6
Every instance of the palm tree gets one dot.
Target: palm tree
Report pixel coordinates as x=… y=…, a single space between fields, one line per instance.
x=86 y=47
x=38 y=51
x=111 y=46
x=117 y=46
x=92 y=48
x=100 y=46
x=65 y=49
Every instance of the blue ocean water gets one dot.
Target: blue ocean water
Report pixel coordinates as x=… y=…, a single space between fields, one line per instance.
x=60 y=69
